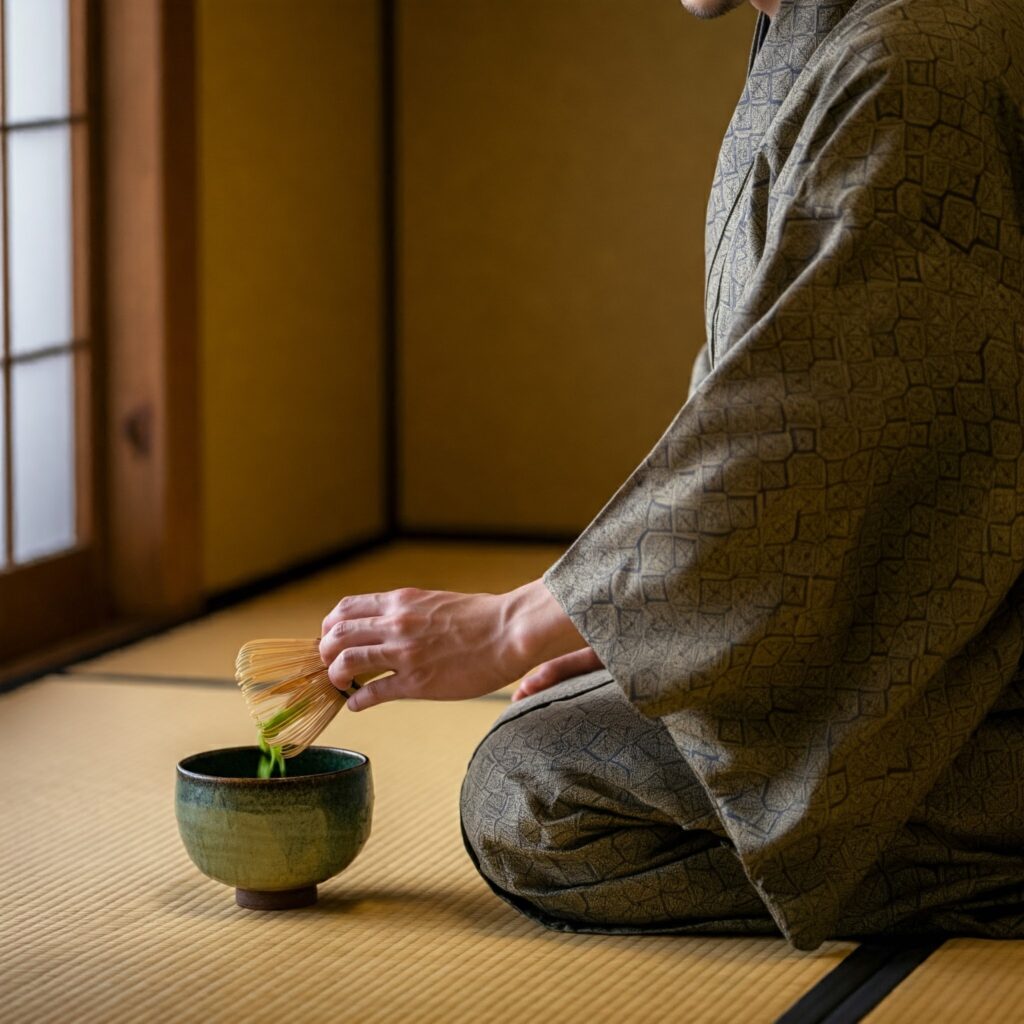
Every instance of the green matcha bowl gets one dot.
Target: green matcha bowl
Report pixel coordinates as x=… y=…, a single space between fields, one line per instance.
x=274 y=839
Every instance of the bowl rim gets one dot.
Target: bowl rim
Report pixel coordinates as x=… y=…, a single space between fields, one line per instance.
x=224 y=780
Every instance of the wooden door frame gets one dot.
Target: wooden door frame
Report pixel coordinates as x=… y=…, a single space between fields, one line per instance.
x=149 y=310
x=138 y=561
x=63 y=593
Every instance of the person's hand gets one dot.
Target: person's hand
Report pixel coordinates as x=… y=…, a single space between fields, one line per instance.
x=568 y=665
x=441 y=645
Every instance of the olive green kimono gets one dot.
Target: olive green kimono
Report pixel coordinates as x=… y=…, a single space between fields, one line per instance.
x=809 y=596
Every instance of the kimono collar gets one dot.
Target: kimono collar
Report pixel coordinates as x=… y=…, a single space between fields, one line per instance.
x=796 y=31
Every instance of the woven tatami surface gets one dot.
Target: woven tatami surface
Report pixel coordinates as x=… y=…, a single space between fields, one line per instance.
x=104 y=919
x=963 y=980
x=207 y=647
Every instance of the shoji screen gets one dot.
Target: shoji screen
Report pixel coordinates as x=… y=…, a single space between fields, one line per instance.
x=44 y=413
x=49 y=499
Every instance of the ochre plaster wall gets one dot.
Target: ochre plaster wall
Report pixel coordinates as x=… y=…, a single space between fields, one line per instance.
x=555 y=158
x=289 y=110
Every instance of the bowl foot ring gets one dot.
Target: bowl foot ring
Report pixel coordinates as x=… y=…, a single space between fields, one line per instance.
x=287 y=899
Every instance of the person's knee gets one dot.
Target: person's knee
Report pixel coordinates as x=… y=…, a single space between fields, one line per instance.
x=564 y=816
x=499 y=808
x=547 y=795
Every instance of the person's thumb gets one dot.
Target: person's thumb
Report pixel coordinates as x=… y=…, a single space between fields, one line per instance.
x=380 y=691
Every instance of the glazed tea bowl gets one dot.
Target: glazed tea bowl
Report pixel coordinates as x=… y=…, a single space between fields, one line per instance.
x=274 y=839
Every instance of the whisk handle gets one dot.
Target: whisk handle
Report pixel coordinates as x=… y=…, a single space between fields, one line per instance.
x=358 y=682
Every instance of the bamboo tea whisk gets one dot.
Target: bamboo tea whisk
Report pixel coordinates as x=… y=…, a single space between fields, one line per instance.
x=288 y=692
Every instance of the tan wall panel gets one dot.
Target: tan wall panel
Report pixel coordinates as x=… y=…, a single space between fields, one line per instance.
x=290 y=220
x=555 y=161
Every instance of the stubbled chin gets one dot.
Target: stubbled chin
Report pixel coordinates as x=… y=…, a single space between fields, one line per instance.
x=710 y=8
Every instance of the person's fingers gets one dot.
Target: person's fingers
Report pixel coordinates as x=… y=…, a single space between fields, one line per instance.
x=380 y=691
x=554 y=671
x=534 y=684
x=355 y=606
x=351 y=633
x=355 y=661
x=563 y=667
x=583 y=660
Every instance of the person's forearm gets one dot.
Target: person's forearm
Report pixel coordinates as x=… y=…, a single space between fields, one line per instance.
x=442 y=645
x=536 y=627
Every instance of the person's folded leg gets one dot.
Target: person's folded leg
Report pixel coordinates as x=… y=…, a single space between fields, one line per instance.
x=582 y=813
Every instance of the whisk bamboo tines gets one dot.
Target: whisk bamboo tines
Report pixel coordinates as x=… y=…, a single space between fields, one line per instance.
x=288 y=692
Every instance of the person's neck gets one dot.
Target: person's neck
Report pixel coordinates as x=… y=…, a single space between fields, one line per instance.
x=769 y=7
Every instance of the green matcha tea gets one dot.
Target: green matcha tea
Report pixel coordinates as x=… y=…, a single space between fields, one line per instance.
x=270 y=757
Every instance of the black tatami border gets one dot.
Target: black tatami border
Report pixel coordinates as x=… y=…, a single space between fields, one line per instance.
x=852 y=989
x=199 y=682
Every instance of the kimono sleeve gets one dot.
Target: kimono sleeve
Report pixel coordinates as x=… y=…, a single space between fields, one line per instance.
x=701 y=368
x=812 y=576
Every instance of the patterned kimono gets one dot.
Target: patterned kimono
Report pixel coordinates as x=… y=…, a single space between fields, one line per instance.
x=809 y=596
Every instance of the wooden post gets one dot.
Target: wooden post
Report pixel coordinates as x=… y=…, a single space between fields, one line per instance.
x=150 y=307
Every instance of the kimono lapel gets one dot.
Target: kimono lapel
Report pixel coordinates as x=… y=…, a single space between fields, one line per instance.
x=761 y=27
x=785 y=48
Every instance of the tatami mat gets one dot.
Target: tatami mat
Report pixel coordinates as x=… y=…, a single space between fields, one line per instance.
x=104 y=919
x=207 y=647
x=963 y=980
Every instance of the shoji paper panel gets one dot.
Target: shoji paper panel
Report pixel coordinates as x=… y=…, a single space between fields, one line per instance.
x=42 y=420
x=36 y=65
x=39 y=205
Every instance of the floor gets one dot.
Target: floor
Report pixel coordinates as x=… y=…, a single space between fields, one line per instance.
x=104 y=918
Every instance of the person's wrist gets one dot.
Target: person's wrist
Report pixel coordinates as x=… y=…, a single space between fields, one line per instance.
x=534 y=628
